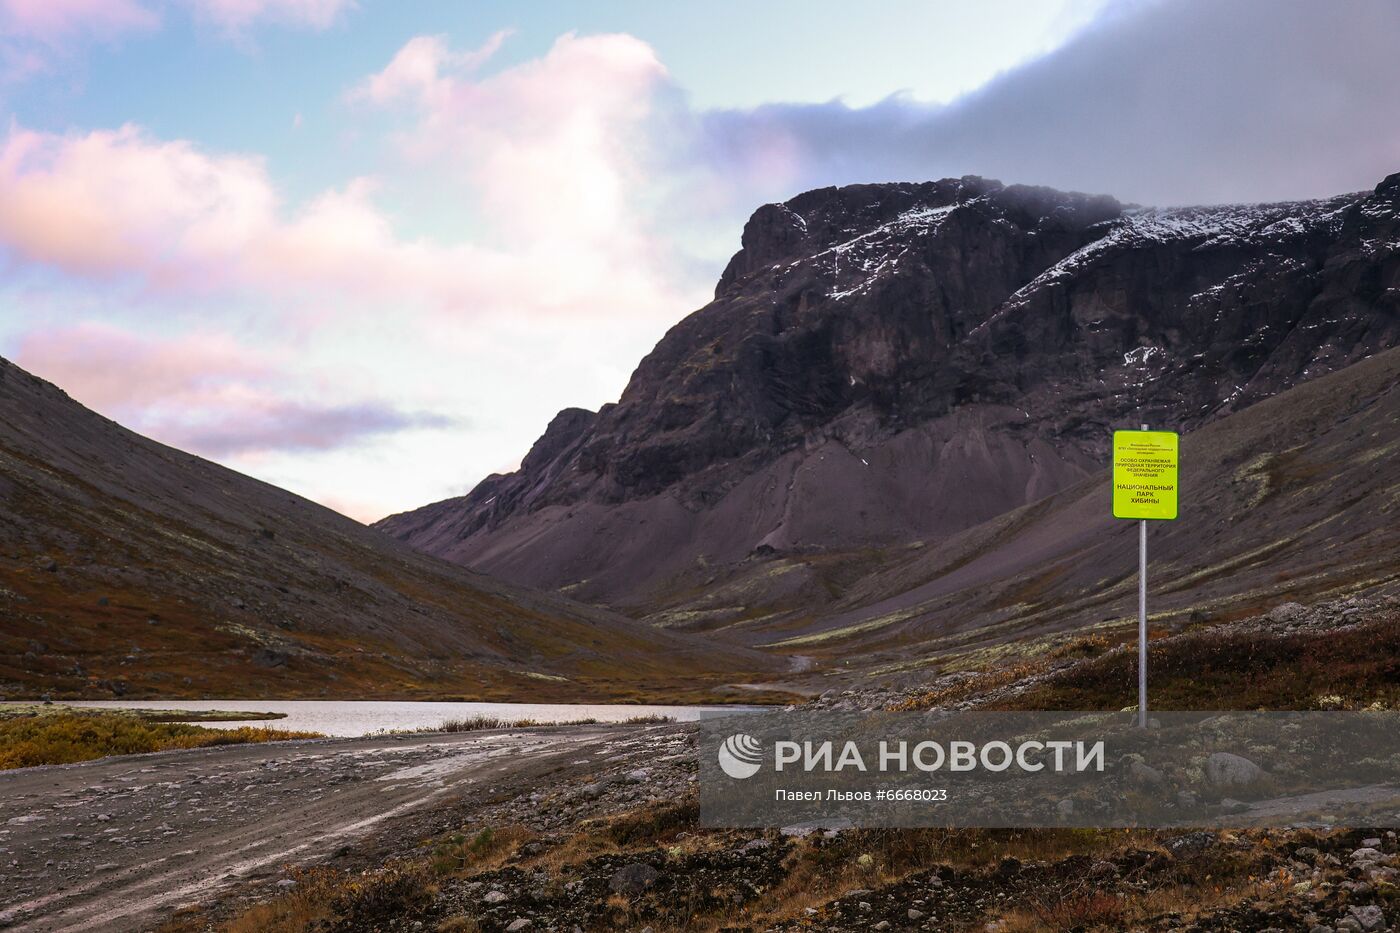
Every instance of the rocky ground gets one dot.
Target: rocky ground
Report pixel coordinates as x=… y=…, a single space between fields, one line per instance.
x=596 y=828
x=620 y=851
x=118 y=843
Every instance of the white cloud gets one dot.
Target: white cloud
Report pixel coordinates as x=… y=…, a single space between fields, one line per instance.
x=422 y=70
x=235 y=16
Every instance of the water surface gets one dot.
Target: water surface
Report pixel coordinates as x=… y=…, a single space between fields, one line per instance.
x=361 y=717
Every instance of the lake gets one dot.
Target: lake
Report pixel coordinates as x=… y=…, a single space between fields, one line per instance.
x=361 y=717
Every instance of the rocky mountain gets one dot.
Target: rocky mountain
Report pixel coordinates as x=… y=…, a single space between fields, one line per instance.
x=1293 y=499
x=128 y=568
x=885 y=364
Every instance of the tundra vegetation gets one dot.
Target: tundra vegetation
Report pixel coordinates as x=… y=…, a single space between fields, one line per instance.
x=64 y=736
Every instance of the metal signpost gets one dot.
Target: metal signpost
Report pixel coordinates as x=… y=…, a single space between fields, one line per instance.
x=1144 y=489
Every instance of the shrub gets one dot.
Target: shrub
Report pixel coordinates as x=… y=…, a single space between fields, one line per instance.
x=64 y=738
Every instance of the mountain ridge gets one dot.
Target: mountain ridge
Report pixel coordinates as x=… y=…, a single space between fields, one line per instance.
x=873 y=350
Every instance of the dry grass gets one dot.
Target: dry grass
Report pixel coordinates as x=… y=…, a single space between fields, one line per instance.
x=68 y=737
x=481 y=722
x=1075 y=909
x=981 y=682
x=1187 y=891
x=482 y=850
x=1212 y=670
x=324 y=899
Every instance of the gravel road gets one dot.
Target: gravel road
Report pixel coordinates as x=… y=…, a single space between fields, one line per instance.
x=117 y=844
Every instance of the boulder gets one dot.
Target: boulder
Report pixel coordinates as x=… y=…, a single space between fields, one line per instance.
x=1224 y=769
x=631 y=880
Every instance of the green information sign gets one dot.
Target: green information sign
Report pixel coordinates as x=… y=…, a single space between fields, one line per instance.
x=1145 y=474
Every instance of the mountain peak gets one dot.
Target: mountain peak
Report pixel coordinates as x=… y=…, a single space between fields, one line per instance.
x=826 y=219
x=898 y=362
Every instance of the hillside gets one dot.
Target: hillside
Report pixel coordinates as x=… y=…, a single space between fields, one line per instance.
x=128 y=568
x=1296 y=498
x=888 y=364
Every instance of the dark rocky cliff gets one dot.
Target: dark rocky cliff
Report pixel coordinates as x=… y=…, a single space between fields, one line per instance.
x=891 y=362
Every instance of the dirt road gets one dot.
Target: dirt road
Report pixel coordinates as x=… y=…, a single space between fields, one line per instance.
x=117 y=844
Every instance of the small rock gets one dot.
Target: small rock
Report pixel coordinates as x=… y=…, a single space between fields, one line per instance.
x=882 y=925
x=495 y=897
x=1008 y=867
x=519 y=923
x=1287 y=612
x=915 y=914
x=1101 y=872
x=1369 y=918
x=1191 y=844
x=631 y=880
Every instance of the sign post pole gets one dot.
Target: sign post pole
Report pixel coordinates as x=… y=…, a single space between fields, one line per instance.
x=1142 y=621
x=1144 y=489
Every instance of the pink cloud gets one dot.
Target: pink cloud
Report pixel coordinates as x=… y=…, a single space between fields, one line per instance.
x=421 y=70
x=202 y=392
x=237 y=15
x=52 y=21
x=117 y=203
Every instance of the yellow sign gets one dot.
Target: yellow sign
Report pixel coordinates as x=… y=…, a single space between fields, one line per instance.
x=1144 y=474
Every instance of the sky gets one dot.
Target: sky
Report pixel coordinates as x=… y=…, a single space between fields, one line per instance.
x=366 y=249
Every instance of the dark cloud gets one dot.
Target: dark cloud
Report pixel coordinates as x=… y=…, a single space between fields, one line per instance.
x=289 y=426
x=1164 y=103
